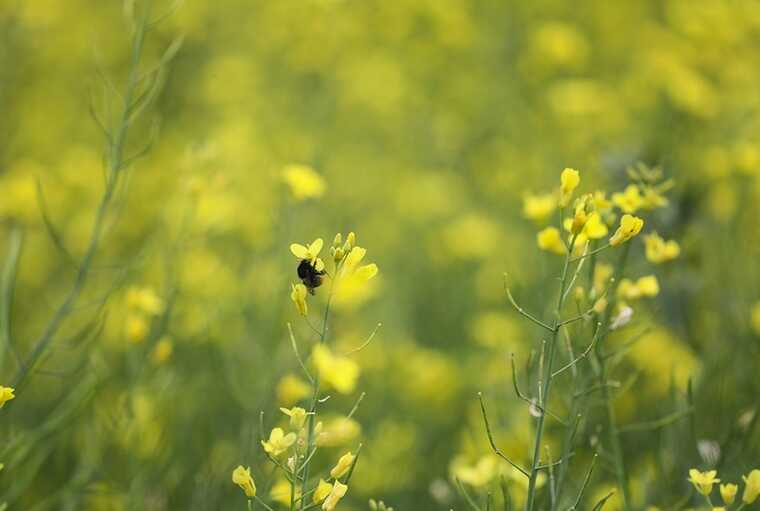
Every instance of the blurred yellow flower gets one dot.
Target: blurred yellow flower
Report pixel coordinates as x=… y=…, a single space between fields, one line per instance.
x=322 y=491
x=241 y=476
x=751 y=487
x=137 y=328
x=539 y=207
x=754 y=318
x=297 y=416
x=338 y=491
x=658 y=250
x=309 y=253
x=292 y=389
x=280 y=492
x=304 y=182
x=647 y=286
x=549 y=239
x=278 y=442
x=162 y=351
x=343 y=466
x=339 y=431
x=336 y=371
x=298 y=295
x=6 y=394
x=595 y=227
x=728 y=493
x=653 y=199
x=569 y=181
x=145 y=300
x=630 y=200
x=630 y=226
x=703 y=481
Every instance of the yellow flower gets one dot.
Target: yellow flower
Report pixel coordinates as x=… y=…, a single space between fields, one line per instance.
x=644 y=287
x=582 y=211
x=303 y=181
x=162 y=351
x=145 y=300
x=280 y=492
x=658 y=250
x=309 y=253
x=343 y=466
x=336 y=371
x=630 y=200
x=278 y=442
x=569 y=180
x=653 y=199
x=298 y=295
x=292 y=389
x=601 y=201
x=595 y=228
x=338 y=491
x=137 y=328
x=630 y=226
x=549 y=239
x=241 y=476
x=297 y=416
x=351 y=265
x=322 y=491
x=754 y=318
x=6 y=394
x=728 y=493
x=539 y=207
x=703 y=481
x=751 y=487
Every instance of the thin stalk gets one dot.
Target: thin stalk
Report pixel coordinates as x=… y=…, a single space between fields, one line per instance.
x=612 y=427
x=115 y=163
x=547 y=381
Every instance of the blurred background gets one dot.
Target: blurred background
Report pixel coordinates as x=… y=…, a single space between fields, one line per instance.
x=419 y=124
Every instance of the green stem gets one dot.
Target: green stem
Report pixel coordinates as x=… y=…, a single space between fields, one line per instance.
x=612 y=427
x=115 y=163
x=547 y=381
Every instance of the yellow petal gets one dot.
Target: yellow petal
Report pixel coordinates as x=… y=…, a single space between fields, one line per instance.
x=299 y=251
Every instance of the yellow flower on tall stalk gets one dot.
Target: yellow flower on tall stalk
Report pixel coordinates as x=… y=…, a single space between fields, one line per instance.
x=569 y=181
x=336 y=371
x=297 y=416
x=343 y=466
x=751 y=487
x=658 y=250
x=278 y=442
x=703 y=481
x=338 y=491
x=241 y=476
x=630 y=226
x=351 y=265
x=728 y=493
x=310 y=253
x=298 y=295
x=304 y=182
x=550 y=239
x=6 y=394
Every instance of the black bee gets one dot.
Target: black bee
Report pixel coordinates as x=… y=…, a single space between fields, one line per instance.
x=309 y=275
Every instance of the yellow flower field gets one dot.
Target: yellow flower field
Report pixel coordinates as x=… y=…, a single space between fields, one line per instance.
x=379 y=255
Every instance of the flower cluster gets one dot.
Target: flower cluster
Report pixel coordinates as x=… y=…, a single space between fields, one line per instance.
x=704 y=483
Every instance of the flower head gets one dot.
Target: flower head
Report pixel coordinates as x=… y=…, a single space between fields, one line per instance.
x=241 y=476
x=303 y=181
x=338 y=491
x=337 y=371
x=343 y=466
x=751 y=487
x=298 y=295
x=297 y=416
x=322 y=491
x=630 y=226
x=569 y=181
x=539 y=207
x=310 y=253
x=278 y=442
x=658 y=250
x=6 y=394
x=728 y=493
x=703 y=481
x=630 y=200
x=550 y=239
